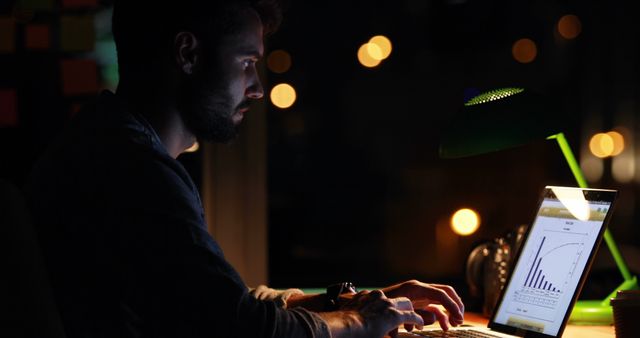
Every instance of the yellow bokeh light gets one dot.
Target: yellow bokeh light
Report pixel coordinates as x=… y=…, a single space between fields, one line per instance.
x=384 y=46
x=465 y=222
x=606 y=144
x=601 y=145
x=374 y=51
x=365 y=58
x=283 y=95
x=524 y=50
x=618 y=142
x=279 y=61
x=193 y=148
x=569 y=26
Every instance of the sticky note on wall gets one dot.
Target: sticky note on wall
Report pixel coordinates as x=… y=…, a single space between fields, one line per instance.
x=37 y=37
x=77 y=33
x=8 y=108
x=79 y=3
x=7 y=35
x=79 y=76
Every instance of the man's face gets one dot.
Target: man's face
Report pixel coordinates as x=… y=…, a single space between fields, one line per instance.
x=214 y=100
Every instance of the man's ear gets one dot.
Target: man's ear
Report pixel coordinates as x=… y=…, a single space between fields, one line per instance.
x=187 y=50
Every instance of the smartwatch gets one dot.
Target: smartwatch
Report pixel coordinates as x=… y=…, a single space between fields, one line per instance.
x=333 y=294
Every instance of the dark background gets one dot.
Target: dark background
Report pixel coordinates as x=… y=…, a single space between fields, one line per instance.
x=356 y=188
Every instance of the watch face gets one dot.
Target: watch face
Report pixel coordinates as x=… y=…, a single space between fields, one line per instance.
x=341 y=288
x=351 y=288
x=334 y=291
x=348 y=287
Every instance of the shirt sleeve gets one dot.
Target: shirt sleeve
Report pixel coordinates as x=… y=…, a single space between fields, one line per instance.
x=175 y=280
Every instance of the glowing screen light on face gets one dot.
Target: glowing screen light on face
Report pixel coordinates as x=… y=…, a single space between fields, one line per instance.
x=193 y=148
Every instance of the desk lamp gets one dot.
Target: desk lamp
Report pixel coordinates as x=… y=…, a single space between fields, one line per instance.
x=508 y=117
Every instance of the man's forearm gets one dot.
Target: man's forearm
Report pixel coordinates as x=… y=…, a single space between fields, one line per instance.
x=313 y=302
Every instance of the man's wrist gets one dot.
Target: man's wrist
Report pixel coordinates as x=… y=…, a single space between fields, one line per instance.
x=334 y=292
x=343 y=324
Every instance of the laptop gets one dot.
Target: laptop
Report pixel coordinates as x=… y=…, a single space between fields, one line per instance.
x=550 y=267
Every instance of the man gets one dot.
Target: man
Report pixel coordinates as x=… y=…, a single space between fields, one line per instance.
x=121 y=222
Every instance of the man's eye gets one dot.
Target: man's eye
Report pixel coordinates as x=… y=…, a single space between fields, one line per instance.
x=248 y=63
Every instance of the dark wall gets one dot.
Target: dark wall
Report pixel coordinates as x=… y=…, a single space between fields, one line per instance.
x=357 y=189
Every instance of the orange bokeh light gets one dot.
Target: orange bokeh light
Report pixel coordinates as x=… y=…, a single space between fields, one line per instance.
x=569 y=26
x=524 y=50
x=279 y=61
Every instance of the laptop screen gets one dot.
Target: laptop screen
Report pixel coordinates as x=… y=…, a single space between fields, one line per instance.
x=550 y=267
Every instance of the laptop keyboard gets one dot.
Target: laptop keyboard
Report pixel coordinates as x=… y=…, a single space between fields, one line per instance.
x=459 y=333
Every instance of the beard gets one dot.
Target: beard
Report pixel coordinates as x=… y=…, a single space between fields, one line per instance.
x=207 y=110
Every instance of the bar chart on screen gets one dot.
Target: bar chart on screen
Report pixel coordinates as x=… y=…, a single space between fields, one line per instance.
x=550 y=269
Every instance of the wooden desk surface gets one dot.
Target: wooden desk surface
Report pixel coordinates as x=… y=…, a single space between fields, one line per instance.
x=571 y=331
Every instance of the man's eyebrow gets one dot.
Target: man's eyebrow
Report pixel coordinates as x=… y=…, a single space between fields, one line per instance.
x=250 y=52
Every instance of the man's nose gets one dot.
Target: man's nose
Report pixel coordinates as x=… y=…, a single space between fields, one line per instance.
x=255 y=91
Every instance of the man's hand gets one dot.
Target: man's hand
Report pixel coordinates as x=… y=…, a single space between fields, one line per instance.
x=371 y=315
x=425 y=297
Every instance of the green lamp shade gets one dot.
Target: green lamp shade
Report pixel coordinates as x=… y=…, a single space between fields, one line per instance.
x=498 y=120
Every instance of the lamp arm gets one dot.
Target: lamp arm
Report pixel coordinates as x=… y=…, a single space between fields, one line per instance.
x=571 y=159
x=577 y=173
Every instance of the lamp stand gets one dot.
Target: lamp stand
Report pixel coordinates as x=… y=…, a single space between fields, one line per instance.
x=595 y=312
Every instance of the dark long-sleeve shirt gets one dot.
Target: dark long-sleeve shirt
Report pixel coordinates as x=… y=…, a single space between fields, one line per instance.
x=126 y=245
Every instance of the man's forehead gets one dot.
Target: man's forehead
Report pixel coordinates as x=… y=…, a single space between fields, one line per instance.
x=248 y=37
x=245 y=44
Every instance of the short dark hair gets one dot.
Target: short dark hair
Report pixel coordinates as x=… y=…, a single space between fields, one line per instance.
x=143 y=30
